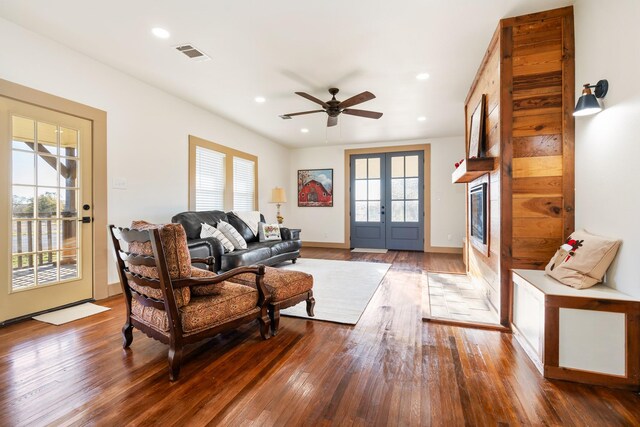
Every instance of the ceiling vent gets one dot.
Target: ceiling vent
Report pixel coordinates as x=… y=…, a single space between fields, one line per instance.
x=193 y=52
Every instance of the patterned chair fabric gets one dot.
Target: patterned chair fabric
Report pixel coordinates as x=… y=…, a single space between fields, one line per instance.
x=174 y=243
x=225 y=302
x=281 y=284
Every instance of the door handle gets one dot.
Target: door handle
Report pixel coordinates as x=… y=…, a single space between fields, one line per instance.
x=85 y=220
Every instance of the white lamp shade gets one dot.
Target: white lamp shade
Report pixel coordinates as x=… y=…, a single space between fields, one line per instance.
x=278 y=195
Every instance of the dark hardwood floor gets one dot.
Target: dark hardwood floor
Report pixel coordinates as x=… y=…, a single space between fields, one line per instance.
x=390 y=369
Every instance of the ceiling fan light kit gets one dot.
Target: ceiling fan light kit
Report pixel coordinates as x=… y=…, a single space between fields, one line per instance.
x=334 y=108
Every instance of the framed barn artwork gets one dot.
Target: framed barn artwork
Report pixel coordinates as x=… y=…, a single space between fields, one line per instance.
x=315 y=188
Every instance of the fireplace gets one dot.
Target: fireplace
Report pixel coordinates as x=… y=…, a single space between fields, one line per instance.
x=478 y=229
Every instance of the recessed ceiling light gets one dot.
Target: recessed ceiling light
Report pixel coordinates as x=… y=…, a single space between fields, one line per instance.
x=422 y=76
x=260 y=99
x=422 y=118
x=160 y=33
x=304 y=130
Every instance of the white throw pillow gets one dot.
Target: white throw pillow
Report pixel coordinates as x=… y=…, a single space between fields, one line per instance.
x=210 y=231
x=268 y=232
x=232 y=234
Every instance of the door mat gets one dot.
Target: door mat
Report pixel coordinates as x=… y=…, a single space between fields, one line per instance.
x=66 y=315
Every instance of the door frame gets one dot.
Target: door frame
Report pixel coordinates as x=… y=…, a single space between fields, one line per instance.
x=426 y=149
x=98 y=118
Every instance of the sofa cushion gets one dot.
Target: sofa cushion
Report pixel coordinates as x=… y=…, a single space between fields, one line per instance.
x=174 y=244
x=583 y=260
x=191 y=221
x=245 y=257
x=281 y=284
x=226 y=301
x=232 y=234
x=242 y=228
x=268 y=232
x=210 y=231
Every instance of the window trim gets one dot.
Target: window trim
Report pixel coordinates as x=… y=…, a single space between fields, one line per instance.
x=230 y=153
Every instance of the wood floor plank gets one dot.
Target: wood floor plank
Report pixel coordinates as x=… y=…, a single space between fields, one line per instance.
x=389 y=369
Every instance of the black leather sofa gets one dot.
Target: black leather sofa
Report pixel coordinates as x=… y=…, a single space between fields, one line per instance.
x=267 y=253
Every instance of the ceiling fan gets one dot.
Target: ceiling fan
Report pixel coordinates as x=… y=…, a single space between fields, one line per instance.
x=334 y=108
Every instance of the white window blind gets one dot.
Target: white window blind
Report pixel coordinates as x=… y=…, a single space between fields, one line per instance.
x=209 y=179
x=243 y=184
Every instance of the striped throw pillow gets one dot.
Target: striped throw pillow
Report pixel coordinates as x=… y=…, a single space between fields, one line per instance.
x=210 y=231
x=232 y=234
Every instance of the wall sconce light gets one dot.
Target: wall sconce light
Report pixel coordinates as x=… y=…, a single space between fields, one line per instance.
x=588 y=103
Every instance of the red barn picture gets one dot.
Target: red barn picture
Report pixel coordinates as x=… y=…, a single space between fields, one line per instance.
x=315 y=188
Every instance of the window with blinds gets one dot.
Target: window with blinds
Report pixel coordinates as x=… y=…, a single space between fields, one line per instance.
x=209 y=179
x=244 y=181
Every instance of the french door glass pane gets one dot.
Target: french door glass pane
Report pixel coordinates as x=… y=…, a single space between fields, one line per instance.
x=361 y=168
x=397 y=167
x=22 y=204
x=374 y=211
x=361 y=211
x=68 y=265
x=68 y=203
x=24 y=131
x=47 y=202
x=411 y=189
x=68 y=172
x=47 y=171
x=397 y=211
x=69 y=142
x=47 y=138
x=397 y=188
x=411 y=211
x=48 y=235
x=23 y=170
x=23 y=236
x=361 y=189
x=23 y=271
x=411 y=169
x=374 y=189
x=47 y=267
x=374 y=168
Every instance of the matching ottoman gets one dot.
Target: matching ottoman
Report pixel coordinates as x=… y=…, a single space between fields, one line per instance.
x=287 y=288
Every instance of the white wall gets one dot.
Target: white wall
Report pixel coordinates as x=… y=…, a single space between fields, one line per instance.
x=147 y=128
x=608 y=144
x=327 y=224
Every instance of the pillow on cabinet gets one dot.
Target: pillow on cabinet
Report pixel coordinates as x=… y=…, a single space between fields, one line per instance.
x=211 y=231
x=268 y=232
x=583 y=260
x=232 y=234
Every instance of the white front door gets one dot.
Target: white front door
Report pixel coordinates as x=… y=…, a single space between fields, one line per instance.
x=46 y=251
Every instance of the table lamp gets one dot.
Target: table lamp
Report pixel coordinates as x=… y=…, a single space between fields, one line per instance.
x=278 y=197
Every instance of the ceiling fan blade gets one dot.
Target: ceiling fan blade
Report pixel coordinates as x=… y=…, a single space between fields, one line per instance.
x=332 y=121
x=303 y=112
x=363 y=113
x=358 y=99
x=313 y=98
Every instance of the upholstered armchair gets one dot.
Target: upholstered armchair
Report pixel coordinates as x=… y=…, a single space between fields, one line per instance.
x=169 y=300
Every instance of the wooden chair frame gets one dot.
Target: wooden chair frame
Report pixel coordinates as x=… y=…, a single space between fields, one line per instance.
x=176 y=339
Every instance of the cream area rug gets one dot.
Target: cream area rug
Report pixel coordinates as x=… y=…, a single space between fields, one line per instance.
x=342 y=289
x=66 y=315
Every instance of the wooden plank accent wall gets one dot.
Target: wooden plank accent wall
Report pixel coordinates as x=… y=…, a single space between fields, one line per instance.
x=527 y=75
x=483 y=269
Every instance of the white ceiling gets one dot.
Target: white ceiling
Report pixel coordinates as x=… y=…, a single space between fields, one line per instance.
x=274 y=48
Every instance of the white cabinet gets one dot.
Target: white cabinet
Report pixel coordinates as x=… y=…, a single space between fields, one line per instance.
x=589 y=335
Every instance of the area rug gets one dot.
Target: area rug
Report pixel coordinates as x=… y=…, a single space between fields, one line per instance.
x=66 y=315
x=342 y=289
x=369 y=250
